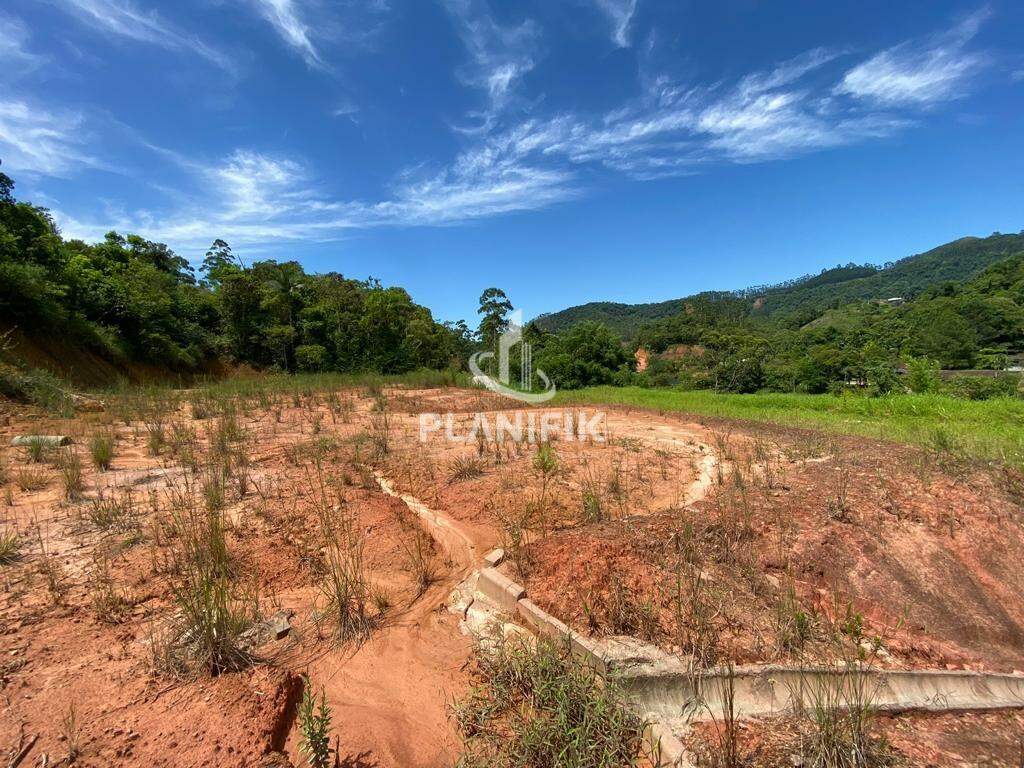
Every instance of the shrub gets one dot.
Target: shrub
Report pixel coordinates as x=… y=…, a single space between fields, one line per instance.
x=922 y=375
x=983 y=387
x=311 y=358
x=35 y=387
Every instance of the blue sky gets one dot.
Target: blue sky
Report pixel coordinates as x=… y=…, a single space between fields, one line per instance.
x=563 y=150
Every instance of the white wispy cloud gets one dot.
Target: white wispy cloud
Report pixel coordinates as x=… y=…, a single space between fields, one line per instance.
x=800 y=105
x=286 y=18
x=345 y=108
x=919 y=72
x=499 y=54
x=123 y=18
x=14 y=36
x=620 y=14
x=34 y=140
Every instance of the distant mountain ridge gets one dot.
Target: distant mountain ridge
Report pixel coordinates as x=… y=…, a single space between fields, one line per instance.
x=811 y=295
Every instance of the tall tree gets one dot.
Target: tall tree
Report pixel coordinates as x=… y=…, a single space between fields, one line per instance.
x=494 y=309
x=218 y=264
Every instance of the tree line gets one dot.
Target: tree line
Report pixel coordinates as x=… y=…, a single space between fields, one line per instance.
x=129 y=299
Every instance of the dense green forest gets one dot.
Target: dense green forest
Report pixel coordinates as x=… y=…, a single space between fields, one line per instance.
x=131 y=300
x=810 y=295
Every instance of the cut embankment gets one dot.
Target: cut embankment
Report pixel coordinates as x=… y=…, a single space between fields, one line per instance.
x=672 y=696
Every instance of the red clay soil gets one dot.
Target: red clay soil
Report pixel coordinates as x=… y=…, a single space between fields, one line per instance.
x=876 y=540
x=75 y=675
x=910 y=536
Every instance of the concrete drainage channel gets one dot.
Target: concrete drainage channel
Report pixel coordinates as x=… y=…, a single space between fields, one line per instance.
x=671 y=697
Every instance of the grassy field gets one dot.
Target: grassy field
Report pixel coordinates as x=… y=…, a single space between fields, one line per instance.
x=990 y=429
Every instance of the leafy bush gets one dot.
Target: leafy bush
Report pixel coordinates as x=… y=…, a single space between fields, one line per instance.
x=311 y=358
x=983 y=387
x=922 y=375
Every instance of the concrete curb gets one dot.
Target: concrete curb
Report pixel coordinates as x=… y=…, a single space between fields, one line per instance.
x=500 y=589
x=771 y=690
x=668 y=693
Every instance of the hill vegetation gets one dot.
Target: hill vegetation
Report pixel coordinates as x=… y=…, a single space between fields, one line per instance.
x=811 y=295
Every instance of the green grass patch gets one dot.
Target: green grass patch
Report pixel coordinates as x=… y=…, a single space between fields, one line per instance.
x=537 y=706
x=987 y=429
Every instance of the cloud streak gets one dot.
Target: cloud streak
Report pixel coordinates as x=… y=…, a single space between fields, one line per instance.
x=14 y=35
x=35 y=141
x=620 y=14
x=124 y=19
x=285 y=17
x=499 y=55
x=919 y=74
x=805 y=104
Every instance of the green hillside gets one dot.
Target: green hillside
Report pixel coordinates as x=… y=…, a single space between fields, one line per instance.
x=812 y=295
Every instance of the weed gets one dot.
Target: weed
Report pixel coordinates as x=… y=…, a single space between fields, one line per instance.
x=71 y=730
x=420 y=555
x=52 y=572
x=695 y=612
x=727 y=732
x=156 y=437
x=108 y=602
x=315 y=727
x=70 y=466
x=590 y=500
x=380 y=426
x=10 y=547
x=465 y=468
x=624 y=613
x=184 y=445
x=793 y=625
x=29 y=479
x=839 y=710
x=36 y=450
x=537 y=705
x=101 y=450
x=200 y=407
x=214 y=615
x=112 y=513
x=344 y=586
x=213 y=489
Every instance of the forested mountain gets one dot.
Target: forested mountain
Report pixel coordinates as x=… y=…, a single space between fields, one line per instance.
x=811 y=295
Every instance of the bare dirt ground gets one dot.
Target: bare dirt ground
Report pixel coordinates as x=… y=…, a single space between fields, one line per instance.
x=720 y=541
x=77 y=672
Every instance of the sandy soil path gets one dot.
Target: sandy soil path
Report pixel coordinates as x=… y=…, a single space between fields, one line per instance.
x=390 y=695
